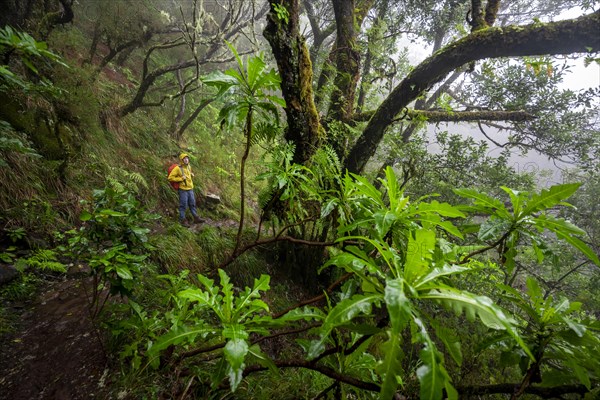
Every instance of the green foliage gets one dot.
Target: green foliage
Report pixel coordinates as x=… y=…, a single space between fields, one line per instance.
x=44 y=260
x=11 y=141
x=398 y=261
x=22 y=288
x=8 y=255
x=460 y=162
x=291 y=182
x=535 y=88
x=526 y=217
x=564 y=340
x=116 y=216
x=15 y=234
x=396 y=316
x=281 y=12
x=247 y=88
x=113 y=240
x=27 y=49
x=136 y=327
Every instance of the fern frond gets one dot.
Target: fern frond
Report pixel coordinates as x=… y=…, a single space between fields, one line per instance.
x=122 y=180
x=45 y=260
x=264 y=132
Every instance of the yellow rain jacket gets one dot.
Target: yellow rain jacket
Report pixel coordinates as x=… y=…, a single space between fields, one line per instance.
x=182 y=174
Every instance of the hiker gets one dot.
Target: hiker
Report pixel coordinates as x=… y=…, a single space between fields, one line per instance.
x=182 y=174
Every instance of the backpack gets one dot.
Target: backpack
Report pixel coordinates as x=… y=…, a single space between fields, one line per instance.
x=174 y=185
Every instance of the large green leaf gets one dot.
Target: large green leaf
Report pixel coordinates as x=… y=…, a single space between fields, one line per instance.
x=178 y=335
x=227 y=289
x=558 y=225
x=353 y=260
x=419 y=254
x=236 y=54
x=432 y=375
x=255 y=67
x=517 y=199
x=383 y=222
x=390 y=367
x=270 y=80
x=205 y=298
x=550 y=197
x=124 y=272
x=443 y=209
x=399 y=309
x=581 y=246
x=429 y=280
x=581 y=373
x=304 y=313
x=341 y=314
x=246 y=298
x=393 y=190
x=235 y=352
x=361 y=186
x=483 y=307
x=484 y=202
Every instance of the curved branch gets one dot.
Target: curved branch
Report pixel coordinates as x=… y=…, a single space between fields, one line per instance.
x=218 y=346
x=277 y=238
x=563 y=37
x=466 y=116
x=455 y=116
x=484 y=249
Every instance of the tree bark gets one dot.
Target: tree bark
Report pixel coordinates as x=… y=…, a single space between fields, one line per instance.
x=325 y=78
x=347 y=61
x=372 y=37
x=456 y=116
x=319 y=35
x=191 y=118
x=563 y=37
x=293 y=60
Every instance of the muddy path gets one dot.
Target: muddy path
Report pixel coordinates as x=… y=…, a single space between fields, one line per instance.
x=55 y=352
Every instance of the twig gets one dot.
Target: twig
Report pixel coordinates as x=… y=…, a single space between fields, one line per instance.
x=184 y=394
x=316 y=298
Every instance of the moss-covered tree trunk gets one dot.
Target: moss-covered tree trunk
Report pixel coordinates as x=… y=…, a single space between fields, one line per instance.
x=293 y=60
x=347 y=61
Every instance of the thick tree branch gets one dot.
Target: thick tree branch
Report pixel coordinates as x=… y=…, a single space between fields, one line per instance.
x=465 y=116
x=563 y=37
x=455 y=116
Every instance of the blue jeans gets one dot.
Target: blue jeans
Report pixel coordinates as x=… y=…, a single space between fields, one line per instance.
x=186 y=199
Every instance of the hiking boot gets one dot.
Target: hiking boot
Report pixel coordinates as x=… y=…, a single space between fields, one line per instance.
x=198 y=220
x=184 y=222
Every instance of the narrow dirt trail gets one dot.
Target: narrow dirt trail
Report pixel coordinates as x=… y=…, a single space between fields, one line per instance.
x=55 y=352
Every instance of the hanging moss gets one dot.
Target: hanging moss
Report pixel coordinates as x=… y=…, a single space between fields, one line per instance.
x=306 y=94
